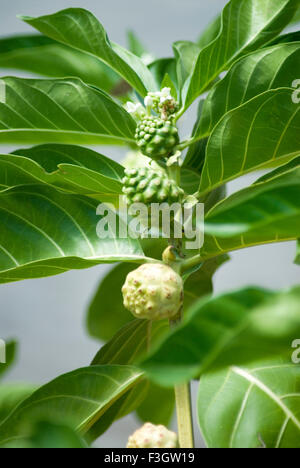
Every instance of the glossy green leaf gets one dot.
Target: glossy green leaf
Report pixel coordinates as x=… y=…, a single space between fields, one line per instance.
x=257 y=406
x=11 y=395
x=241 y=327
x=195 y=156
x=129 y=344
x=255 y=23
x=251 y=137
x=10 y=354
x=44 y=233
x=71 y=168
x=41 y=55
x=46 y=435
x=186 y=53
x=210 y=33
x=61 y=111
x=80 y=29
x=296 y=18
x=122 y=349
x=287 y=38
x=266 y=69
x=162 y=67
x=268 y=211
x=77 y=399
x=158 y=406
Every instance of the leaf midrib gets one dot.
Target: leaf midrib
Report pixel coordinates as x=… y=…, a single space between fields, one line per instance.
x=259 y=384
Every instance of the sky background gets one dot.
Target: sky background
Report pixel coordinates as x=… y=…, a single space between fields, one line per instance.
x=47 y=316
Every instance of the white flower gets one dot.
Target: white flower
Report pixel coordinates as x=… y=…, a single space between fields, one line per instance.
x=148 y=101
x=135 y=109
x=165 y=92
x=165 y=95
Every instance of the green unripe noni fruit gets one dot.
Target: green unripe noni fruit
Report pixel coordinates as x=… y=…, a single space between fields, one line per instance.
x=147 y=186
x=156 y=138
x=153 y=291
x=151 y=436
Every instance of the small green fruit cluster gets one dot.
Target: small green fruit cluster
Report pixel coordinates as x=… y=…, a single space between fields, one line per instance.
x=151 y=436
x=153 y=291
x=157 y=138
x=144 y=185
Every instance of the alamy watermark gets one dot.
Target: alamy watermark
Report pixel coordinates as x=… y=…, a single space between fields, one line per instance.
x=2 y=92
x=296 y=93
x=2 y=352
x=158 y=220
x=296 y=353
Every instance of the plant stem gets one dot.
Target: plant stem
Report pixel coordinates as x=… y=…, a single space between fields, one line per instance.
x=175 y=173
x=190 y=263
x=184 y=416
x=183 y=408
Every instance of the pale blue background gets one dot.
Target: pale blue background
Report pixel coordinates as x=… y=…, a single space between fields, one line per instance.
x=47 y=316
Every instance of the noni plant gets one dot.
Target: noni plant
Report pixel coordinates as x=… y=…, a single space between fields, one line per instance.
x=163 y=216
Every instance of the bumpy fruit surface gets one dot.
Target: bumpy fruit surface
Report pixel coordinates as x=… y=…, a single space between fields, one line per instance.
x=151 y=436
x=147 y=186
x=153 y=292
x=156 y=138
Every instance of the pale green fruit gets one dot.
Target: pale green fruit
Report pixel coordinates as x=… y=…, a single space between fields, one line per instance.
x=153 y=291
x=146 y=185
x=151 y=436
x=157 y=138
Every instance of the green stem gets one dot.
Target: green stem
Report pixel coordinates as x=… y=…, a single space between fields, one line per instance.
x=184 y=416
x=184 y=408
x=190 y=263
x=175 y=173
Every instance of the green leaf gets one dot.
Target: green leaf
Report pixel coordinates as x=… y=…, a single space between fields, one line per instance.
x=287 y=38
x=195 y=156
x=266 y=69
x=80 y=29
x=296 y=18
x=158 y=406
x=77 y=399
x=44 y=233
x=251 y=137
x=10 y=354
x=71 y=168
x=256 y=406
x=126 y=345
x=46 y=435
x=99 y=320
x=255 y=24
x=210 y=33
x=11 y=395
x=186 y=53
x=268 y=211
x=297 y=260
x=123 y=348
x=129 y=344
x=162 y=67
x=135 y=45
x=200 y=283
x=41 y=55
x=189 y=180
x=61 y=111
x=240 y=327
